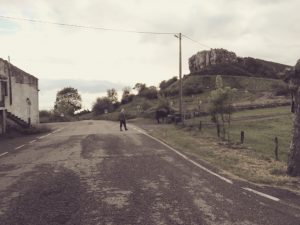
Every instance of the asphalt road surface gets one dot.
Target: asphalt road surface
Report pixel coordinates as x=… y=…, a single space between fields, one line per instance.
x=90 y=173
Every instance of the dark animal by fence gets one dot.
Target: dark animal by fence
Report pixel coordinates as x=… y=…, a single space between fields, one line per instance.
x=161 y=114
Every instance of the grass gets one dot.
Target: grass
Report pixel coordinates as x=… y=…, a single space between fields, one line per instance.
x=15 y=131
x=254 y=160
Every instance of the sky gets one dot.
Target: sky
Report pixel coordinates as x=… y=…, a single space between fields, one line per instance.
x=94 y=60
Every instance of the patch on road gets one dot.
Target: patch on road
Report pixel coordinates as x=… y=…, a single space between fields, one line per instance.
x=7 y=167
x=105 y=144
x=46 y=196
x=61 y=143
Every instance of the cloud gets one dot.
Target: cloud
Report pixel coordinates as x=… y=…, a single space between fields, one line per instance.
x=262 y=29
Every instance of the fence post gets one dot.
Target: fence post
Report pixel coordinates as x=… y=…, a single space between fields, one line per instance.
x=218 y=130
x=276 y=148
x=200 y=125
x=242 y=137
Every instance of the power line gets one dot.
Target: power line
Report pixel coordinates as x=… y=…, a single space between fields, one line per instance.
x=101 y=28
x=206 y=46
x=85 y=27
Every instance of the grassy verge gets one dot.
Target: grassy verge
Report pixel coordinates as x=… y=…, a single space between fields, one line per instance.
x=253 y=161
x=14 y=132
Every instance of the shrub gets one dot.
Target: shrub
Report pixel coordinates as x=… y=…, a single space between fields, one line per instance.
x=164 y=84
x=192 y=89
x=45 y=113
x=127 y=98
x=102 y=104
x=32 y=130
x=149 y=92
x=280 y=89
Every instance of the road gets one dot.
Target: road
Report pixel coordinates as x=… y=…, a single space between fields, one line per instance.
x=89 y=172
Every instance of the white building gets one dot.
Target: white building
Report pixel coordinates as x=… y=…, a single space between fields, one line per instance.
x=18 y=97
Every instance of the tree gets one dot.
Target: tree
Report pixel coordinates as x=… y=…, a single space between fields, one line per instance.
x=126 y=96
x=68 y=100
x=102 y=104
x=112 y=94
x=166 y=83
x=139 y=87
x=221 y=107
x=149 y=92
x=293 y=168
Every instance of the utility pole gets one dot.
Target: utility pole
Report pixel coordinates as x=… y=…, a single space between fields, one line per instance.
x=180 y=79
x=9 y=81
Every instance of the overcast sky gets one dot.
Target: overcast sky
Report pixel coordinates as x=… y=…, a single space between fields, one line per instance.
x=266 y=29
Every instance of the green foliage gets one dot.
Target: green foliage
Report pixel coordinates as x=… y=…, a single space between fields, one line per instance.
x=126 y=96
x=139 y=87
x=40 y=129
x=221 y=107
x=280 y=89
x=112 y=94
x=45 y=113
x=164 y=84
x=172 y=91
x=191 y=88
x=145 y=105
x=149 y=92
x=68 y=100
x=102 y=104
x=164 y=103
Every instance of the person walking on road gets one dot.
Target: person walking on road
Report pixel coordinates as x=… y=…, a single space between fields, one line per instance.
x=122 y=118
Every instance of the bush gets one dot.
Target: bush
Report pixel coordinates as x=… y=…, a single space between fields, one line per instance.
x=127 y=98
x=164 y=84
x=280 y=89
x=32 y=130
x=145 y=105
x=45 y=113
x=192 y=89
x=102 y=104
x=149 y=92
x=173 y=91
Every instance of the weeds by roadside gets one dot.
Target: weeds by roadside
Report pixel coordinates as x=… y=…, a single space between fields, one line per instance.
x=249 y=162
x=15 y=131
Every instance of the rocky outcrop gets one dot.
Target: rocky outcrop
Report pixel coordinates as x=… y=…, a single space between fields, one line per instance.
x=221 y=61
x=206 y=59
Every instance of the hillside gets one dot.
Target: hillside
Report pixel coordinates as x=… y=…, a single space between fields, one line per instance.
x=253 y=91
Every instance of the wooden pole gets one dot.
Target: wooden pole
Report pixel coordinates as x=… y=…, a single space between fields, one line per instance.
x=276 y=148
x=180 y=79
x=242 y=137
x=9 y=80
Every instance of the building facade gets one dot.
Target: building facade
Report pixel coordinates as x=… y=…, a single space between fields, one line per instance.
x=19 y=102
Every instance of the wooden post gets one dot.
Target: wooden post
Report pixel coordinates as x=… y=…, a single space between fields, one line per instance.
x=276 y=148
x=9 y=81
x=200 y=125
x=218 y=129
x=242 y=137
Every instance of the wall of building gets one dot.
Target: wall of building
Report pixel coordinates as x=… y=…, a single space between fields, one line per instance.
x=24 y=89
x=20 y=107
